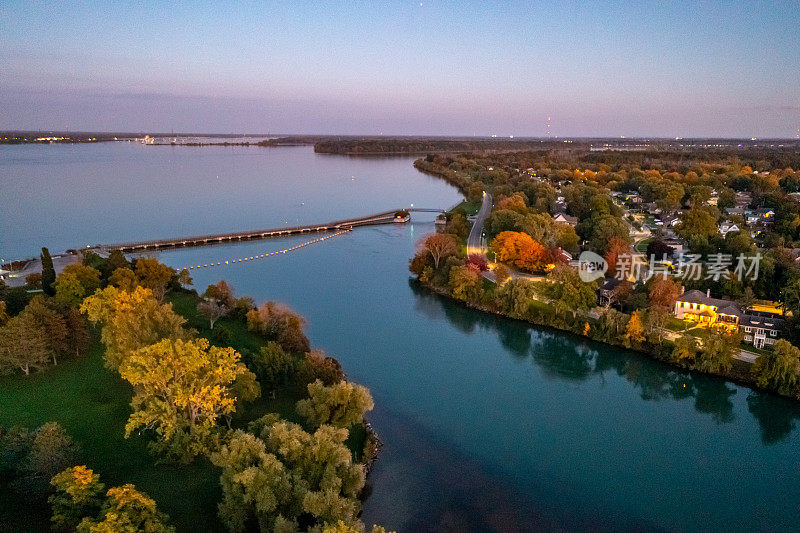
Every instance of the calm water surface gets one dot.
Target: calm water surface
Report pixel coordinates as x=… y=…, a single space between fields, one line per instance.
x=489 y=424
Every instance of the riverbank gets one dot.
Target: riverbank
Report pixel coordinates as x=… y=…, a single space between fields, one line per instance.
x=739 y=371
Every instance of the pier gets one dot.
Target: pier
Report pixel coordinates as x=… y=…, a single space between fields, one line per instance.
x=397 y=216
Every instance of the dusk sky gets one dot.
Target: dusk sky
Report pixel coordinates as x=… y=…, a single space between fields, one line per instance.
x=666 y=69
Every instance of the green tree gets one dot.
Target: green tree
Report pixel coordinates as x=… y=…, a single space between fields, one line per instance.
x=51 y=451
x=340 y=405
x=685 y=348
x=76 y=282
x=698 y=222
x=48 y=273
x=718 y=350
x=779 y=368
x=116 y=259
x=124 y=278
x=286 y=473
x=78 y=494
x=568 y=292
x=273 y=365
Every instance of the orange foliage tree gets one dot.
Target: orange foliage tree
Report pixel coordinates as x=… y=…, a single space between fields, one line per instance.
x=519 y=249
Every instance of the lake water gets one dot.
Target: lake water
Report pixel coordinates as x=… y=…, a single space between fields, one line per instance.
x=488 y=424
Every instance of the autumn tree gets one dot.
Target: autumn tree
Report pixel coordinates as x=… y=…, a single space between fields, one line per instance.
x=616 y=247
x=662 y=292
x=439 y=246
x=317 y=366
x=181 y=386
x=779 y=368
x=634 y=330
x=519 y=249
x=279 y=323
x=501 y=274
x=78 y=494
x=340 y=405
x=131 y=320
x=222 y=293
x=127 y=510
x=50 y=324
x=465 y=282
x=154 y=276
x=23 y=345
x=479 y=261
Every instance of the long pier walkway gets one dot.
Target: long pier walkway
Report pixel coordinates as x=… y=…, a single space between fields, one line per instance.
x=397 y=216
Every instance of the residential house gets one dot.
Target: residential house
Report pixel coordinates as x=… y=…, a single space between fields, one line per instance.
x=699 y=306
x=727 y=227
x=606 y=291
x=566 y=219
x=760 y=328
x=762 y=215
x=743 y=199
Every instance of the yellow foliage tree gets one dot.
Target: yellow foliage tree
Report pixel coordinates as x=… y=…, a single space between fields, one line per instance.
x=131 y=320
x=634 y=330
x=180 y=384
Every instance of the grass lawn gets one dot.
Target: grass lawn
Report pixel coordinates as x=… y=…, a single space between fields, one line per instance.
x=471 y=208
x=641 y=246
x=93 y=404
x=675 y=324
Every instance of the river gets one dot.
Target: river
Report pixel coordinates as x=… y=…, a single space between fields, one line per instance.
x=488 y=423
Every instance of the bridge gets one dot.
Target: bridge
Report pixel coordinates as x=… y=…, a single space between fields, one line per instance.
x=397 y=216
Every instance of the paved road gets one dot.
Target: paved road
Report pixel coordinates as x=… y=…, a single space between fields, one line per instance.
x=475 y=239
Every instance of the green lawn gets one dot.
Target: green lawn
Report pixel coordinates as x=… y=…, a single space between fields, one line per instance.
x=471 y=208
x=92 y=404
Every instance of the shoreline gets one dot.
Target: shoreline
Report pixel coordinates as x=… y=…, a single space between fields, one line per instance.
x=738 y=379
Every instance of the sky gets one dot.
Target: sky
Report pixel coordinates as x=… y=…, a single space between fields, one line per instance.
x=665 y=69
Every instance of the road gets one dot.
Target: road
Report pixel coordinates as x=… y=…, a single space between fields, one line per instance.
x=475 y=239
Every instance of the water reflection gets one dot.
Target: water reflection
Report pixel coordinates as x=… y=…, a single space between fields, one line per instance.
x=774 y=419
x=565 y=357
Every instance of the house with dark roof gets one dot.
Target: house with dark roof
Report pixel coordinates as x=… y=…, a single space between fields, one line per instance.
x=699 y=306
x=760 y=328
